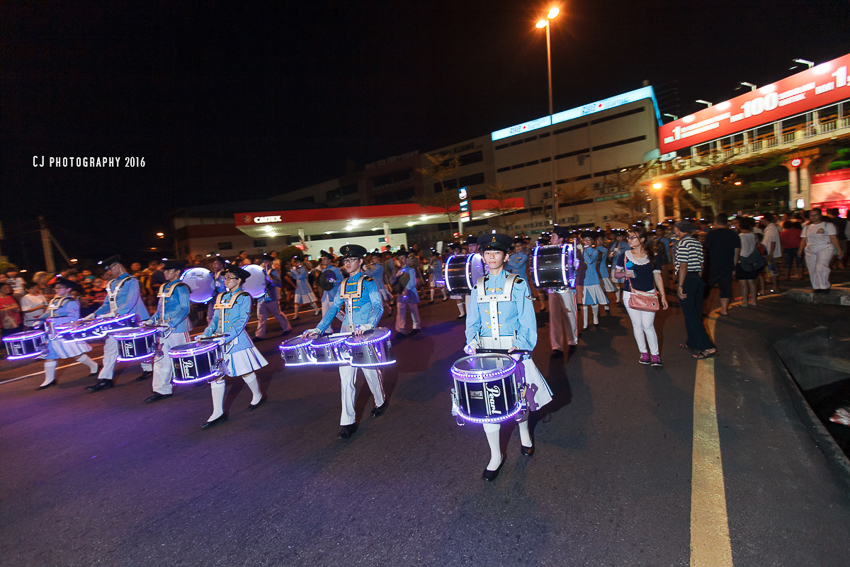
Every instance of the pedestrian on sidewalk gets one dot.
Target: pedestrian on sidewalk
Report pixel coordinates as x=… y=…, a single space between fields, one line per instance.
x=724 y=248
x=820 y=244
x=690 y=287
x=750 y=262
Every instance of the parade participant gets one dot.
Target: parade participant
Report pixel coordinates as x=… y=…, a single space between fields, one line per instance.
x=269 y=304
x=592 y=294
x=562 y=307
x=359 y=293
x=435 y=273
x=478 y=267
x=618 y=248
x=218 y=280
x=503 y=319
x=328 y=296
x=241 y=357
x=404 y=280
x=604 y=256
x=303 y=293
x=819 y=243
x=172 y=311
x=518 y=260
x=389 y=270
x=375 y=270
x=456 y=249
x=122 y=297
x=641 y=268
x=63 y=308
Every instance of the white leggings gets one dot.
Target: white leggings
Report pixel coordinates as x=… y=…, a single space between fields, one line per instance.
x=644 y=327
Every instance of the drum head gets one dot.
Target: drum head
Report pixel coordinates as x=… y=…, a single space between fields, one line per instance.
x=325 y=341
x=191 y=349
x=256 y=282
x=328 y=280
x=296 y=342
x=134 y=333
x=201 y=284
x=370 y=336
x=480 y=367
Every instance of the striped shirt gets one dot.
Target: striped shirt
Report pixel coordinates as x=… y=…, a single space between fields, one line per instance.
x=689 y=251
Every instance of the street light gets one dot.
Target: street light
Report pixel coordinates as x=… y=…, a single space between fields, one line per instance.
x=804 y=62
x=705 y=102
x=746 y=84
x=160 y=234
x=544 y=23
x=662 y=213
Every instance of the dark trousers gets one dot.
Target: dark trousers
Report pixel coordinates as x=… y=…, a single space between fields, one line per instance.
x=693 y=288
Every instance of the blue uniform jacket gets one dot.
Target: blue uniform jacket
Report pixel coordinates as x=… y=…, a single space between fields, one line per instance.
x=409 y=295
x=235 y=320
x=176 y=307
x=302 y=286
x=517 y=263
x=128 y=300
x=367 y=309
x=515 y=316
x=603 y=261
x=591 y=259
x=330 y=295
x=68 y=312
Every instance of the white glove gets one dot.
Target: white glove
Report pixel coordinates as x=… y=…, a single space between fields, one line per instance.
x=88 y=317
x=366 y=327
x=311 y=333
x=470 y=348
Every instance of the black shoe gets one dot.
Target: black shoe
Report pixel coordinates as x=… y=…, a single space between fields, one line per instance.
x=95 y=373
x=527 y=451
x=156 y=397
x=414 y=332
x=144 y=376
x=557 y=353
x=46 y=386
x=347 y=431
x=491 y=475
x=572 y=349
x=378 y=410
x=461 y=316
x=220 y=419
x=101 y=384
x=286 y=332
x=258 y=339
x=252 y=407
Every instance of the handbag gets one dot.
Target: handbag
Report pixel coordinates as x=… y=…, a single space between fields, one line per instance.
x=753 y=262
x=643 y=300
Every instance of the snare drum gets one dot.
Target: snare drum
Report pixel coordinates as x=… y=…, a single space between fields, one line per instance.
x=28 y=344
x=82 y=330
x=459 y=272
x=112 y=324
x=330 y=350
x=372 y=348
x=297 y=352
x=136 y=344
x=194 y=362
x=554 y=267
x=486 y=389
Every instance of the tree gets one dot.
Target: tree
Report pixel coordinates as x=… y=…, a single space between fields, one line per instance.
x=728 y=186
x=571 y=196
x=439 y=168
x=501 y=205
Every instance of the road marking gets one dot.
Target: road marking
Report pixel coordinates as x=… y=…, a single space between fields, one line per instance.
x=710 y=544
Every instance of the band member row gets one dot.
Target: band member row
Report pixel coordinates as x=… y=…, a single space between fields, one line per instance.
x=269 y=304
x=375 y=270
x=172 y=313
x=503 y=319
x=63 y=309
x=123 y=297
x=435 y=274
x=363 y=309
x=563 y=308
x=241 y=357
x=326 y=265
x=404 y=279
x=591 y=273
x=303 y=292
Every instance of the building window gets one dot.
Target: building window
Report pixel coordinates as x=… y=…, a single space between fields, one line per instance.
x=469 y=159
x=618 y=115
x=573 y=153
x=225 y=246
x=349 y=189
x=619 y=143
x=503 y=169
x=352 y=203
x=260 y=243
x=474 y=179
x=531 y=139
x=502 y=146
x=393 y=177
x=395 y=197
x=571 y=128
x=333 y=194
x=535 y=162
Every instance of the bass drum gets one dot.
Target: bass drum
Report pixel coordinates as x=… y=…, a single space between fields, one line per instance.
x=554 y=267
x=256 y=282
x=459 y=272
x=201 y=284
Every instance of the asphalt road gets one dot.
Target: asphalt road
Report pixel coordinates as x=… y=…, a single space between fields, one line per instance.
x=105 y=479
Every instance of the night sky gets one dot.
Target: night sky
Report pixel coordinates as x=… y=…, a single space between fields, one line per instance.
x=233 y=101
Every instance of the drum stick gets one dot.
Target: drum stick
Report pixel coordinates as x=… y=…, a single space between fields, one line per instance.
x=500 y=351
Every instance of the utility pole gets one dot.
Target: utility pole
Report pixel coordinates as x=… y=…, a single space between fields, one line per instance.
x=46 y=244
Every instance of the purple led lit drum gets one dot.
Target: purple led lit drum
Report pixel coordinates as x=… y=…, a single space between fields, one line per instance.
x=372 y=348
x=82 y=330
x=112 y=324
x=297 y=352
x=486 y=389
x=554 y=267
x=458 y=274
x=330 y=350
x=136 y=344
x=28 y=344
x=194 y=362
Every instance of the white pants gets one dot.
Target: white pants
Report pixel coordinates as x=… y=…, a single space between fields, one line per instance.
x=266 y=308
x=110 y=357
x=562 y=308
x=162 y=368
x=347 y=378
x=643 y=323
x=401 y=316
x=818 y=264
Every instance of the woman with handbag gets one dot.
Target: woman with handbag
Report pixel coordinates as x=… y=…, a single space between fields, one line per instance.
x=641 y=269
x=750 y=262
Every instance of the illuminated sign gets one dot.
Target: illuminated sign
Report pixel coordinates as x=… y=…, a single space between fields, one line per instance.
x=813 y=88
x=260 y=220
x=796 y=162
x=464 y=204
x=578 y=112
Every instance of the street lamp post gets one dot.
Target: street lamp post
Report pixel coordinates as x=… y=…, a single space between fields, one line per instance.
x=662 y=213
x=544 y=23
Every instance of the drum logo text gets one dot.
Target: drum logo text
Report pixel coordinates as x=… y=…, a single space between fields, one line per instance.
x=187 y=365
x=493 y=393
x=127 y=350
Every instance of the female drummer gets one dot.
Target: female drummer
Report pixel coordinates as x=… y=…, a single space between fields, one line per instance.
x=241 y=357
x=63 y=308
x=516 y=320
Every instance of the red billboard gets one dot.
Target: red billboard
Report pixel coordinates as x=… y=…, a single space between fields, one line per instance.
x=819 y=86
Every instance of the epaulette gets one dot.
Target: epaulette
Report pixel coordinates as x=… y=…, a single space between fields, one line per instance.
x=368 y=279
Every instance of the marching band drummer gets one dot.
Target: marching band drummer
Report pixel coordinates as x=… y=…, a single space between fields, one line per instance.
x=63 y=308
x=478 y=267
x=269 y=304
x=218 y=282
x=122 y=298
x=435 y=272
x=375 y=270
x=509 y=312
x=241 y=357
x=326 y=264
x=171 y=311
x=562 y=307
x=363 y=310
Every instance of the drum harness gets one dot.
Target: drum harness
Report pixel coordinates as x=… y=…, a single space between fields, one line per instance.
x=55 y=304
x=164 y=295
x=350 y=297
x=112 y=294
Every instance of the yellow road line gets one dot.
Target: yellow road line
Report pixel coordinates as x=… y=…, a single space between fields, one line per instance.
x=710 y=545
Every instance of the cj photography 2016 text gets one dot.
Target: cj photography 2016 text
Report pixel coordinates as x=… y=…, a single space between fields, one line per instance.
x=109 y=161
